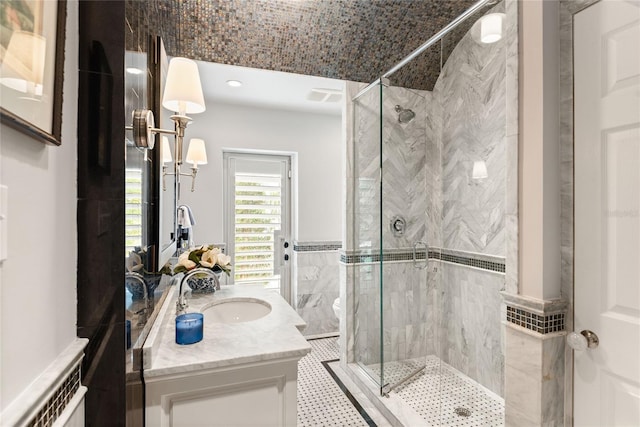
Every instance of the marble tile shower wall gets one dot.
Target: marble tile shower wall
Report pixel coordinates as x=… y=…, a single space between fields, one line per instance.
x=405 y=317
x=403 y=167
x=404 y=177
x=472 y=94
x=366 y=313
x=403 y=164
x=470 y=330
x=365 y=200
x=459 y=307
x=468 y=119
x=317 y=286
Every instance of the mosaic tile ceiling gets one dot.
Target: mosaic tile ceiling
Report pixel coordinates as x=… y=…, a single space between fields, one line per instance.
x=345 y=39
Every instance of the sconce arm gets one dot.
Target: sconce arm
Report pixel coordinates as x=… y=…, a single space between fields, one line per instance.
x=194 y=172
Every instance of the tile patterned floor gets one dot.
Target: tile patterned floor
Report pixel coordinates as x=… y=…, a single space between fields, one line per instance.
x=434 y=394
x=440 y=390
x=321 y=402
x=395 y=371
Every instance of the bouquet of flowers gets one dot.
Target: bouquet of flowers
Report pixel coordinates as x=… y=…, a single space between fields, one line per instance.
x=137 y=260
x=207 y=256
x=138 y=277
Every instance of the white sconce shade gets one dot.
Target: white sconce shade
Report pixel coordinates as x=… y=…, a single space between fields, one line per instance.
x=23 y=63
x=491 y=27
x=479 y=170
x=183 y=91
x=197 y=154
x=166 y=150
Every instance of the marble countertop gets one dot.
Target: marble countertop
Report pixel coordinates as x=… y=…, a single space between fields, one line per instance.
x=274 y=336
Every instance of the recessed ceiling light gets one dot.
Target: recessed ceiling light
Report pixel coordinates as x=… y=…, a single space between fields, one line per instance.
x=133 y=70
x=234 y=83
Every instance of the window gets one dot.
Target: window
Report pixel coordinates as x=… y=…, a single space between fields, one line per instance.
x=257 y=205
x=133 y=209
x=258 y=199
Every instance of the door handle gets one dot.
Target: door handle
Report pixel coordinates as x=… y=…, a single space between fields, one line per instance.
x=583 y=340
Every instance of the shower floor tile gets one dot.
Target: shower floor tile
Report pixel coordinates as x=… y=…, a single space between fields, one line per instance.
x=440 y=390
x=396 y=371
x=321 y=401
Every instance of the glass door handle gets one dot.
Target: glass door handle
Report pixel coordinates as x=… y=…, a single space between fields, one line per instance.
x=583 y=340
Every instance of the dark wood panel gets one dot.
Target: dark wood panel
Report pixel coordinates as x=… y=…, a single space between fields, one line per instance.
x=101 y=209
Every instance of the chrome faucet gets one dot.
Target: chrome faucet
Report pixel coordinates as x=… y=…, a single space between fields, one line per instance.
x=181 y=303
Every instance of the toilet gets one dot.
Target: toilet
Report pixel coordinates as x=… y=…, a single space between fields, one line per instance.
x=336 y=307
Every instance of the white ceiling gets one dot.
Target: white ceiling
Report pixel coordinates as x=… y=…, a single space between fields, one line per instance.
x=266 y=88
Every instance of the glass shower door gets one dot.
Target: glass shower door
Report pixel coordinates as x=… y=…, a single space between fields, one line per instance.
x=403 y=255
x=366 y=236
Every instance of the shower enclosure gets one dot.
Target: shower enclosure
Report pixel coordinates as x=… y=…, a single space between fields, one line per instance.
x=425 y=251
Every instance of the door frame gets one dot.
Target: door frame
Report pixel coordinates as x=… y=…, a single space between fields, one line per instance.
x=286 y=288
x=567 y=171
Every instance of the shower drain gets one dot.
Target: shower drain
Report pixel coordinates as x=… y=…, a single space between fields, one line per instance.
x=463 y=412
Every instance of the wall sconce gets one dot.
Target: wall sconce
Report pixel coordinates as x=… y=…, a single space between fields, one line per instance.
x=183 y=95
x=23 y=64
x=479 y=171
x=489 y=28
x=196 y=155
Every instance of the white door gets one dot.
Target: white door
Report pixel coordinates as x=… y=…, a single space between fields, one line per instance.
x=257 y=219
x=607 y=212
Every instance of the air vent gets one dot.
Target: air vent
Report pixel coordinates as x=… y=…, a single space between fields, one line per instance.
x=324 y=95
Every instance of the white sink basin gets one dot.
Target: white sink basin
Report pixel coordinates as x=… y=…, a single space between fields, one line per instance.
x=236 y=310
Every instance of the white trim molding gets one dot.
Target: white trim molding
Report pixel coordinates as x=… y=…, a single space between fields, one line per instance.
x=56 y=397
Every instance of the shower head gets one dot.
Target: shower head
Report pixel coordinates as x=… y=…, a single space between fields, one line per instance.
x=404 y=115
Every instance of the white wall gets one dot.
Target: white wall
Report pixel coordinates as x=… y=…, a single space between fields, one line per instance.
x=316 y=138
x=38 y=280
x=539 y=150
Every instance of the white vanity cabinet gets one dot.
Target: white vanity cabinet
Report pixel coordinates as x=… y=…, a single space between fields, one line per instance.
x=240 y=374
x=260 y=394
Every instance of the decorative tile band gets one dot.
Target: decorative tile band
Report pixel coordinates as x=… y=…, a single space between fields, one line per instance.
x=468 y=259
x=386 y=257
x=58 y=402
x=542 y=324
x=316 y=246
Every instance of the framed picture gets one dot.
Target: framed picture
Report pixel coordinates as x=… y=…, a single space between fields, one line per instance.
x=32 y=34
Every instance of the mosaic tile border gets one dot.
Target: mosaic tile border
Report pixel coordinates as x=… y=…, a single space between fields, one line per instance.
x=325 y=246
x=482 y=264
x=58 y=402
x=386 y=257
x=540 y=323
x=468 y=259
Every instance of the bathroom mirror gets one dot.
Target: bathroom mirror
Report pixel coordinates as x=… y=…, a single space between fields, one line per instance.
x=165 y=155
x=150 y=211
x=138 y=162
x=139 y=199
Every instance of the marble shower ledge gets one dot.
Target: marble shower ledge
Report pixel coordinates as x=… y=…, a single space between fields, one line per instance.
x=275 y=336
x=540 y=307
